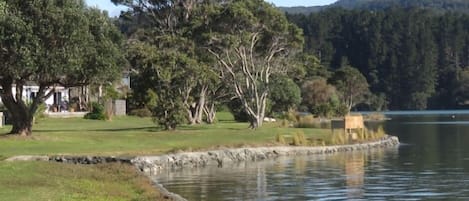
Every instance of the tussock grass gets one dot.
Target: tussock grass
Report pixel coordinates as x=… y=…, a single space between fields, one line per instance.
x=280 y=139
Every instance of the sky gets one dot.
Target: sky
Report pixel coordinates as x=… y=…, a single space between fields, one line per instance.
x=114 y=10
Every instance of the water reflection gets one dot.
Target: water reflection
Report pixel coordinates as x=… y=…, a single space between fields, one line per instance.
x=355 y=175
x=339 y=176
x=433 y=164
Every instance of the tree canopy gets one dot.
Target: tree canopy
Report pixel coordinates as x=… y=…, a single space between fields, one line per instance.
x=53 y=43
x=252 y=41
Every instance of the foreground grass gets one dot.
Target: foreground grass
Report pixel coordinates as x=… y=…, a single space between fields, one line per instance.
x=36 y=181
x=125 y=136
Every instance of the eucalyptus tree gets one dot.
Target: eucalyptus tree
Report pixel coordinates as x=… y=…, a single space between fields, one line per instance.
x=252 y=40
x=52 y=43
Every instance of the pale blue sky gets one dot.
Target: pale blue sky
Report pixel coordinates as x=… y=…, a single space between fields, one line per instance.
x=113 y=10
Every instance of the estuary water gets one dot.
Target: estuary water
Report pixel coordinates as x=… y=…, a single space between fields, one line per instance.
x=432 y=163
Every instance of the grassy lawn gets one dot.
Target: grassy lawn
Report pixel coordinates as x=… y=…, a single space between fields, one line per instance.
x=37 y=181
x=135 y=136
x=124 y=136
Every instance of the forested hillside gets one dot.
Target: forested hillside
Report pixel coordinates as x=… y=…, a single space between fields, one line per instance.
x=436 y=5
x=411 y=58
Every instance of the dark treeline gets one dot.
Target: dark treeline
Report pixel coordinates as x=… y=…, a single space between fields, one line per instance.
x=412 y=58
x=435 y=5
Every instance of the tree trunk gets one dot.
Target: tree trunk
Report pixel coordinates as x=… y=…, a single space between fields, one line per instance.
x=191 y=112
x=255 y=122
x=210 y=113
x=22 y=124
x=21 y=115
x=196 y=109
x=201 y=105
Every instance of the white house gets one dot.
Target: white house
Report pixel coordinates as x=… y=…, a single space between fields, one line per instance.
x=55 y=103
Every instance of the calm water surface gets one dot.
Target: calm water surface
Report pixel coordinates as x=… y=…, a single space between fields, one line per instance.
x=431 y=164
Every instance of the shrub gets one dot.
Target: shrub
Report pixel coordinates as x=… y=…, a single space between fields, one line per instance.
x=380 y=133
x=144 y=112
x=296 y=140
x=97 y=112
x=338 y=138
x=291 y=116
x=299 y=139
x=41 y=108
x=287 y=119
x=307 y=121
x=280 y=139
x=237 y=109
x=283 y=123
x=341 y=110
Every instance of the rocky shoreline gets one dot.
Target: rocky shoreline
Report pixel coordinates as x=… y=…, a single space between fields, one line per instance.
x=152 y=165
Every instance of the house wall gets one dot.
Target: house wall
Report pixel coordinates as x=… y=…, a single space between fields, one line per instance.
x=29 y=93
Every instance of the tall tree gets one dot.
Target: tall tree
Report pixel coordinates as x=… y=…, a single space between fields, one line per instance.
x=173 y=22
x=252 y=40
x=351 y=84
x=162 y=73
x=284 y=94
x=51 y=43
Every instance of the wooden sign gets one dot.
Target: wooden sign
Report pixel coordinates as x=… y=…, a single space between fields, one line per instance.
x=348 y=123
x=354 y=122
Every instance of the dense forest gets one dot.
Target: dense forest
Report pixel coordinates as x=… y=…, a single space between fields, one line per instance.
x=412 y=58
x=435 y=5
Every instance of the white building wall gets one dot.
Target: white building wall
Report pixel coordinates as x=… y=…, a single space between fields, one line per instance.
x=28 y=91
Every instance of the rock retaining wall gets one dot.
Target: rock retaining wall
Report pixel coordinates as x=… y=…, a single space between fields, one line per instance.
x=73 y=159
x=152 y=165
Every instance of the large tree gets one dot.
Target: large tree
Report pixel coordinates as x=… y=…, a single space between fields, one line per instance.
x=52 y=43
x=351 y=85
x=155 y=24
x=252 y=40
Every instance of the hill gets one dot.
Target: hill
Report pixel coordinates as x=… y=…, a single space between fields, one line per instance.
x=437 y=5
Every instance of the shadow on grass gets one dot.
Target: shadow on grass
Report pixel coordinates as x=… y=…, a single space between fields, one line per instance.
x=148 y=129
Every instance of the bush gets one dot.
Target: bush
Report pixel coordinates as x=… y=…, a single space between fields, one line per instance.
x=299 y=139
x=380 y=133
x=283 y=123
x=280 y=139
x=287 y=119
x=144 y=112
x=41 y=108
x=97 y=112
x=338 y=138
x=308 y=121
x=237 y=109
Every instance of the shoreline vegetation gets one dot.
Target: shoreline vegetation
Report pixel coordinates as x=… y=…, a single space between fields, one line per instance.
x=122 y=137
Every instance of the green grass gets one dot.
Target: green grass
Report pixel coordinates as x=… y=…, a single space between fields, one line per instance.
x=36 y=181
x=135 y=136
x=125 y=136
